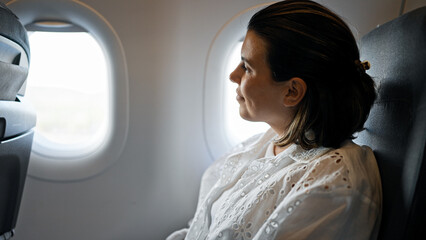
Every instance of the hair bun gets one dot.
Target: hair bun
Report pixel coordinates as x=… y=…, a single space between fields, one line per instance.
x=362 y=66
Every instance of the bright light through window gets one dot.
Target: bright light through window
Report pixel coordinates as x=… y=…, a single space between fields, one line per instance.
x=68 y=86
x=238 y=129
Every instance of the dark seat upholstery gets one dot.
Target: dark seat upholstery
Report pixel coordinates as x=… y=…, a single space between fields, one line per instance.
x=396 y=128
x=17 y=119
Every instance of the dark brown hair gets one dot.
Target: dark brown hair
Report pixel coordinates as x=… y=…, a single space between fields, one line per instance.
x=306 y=40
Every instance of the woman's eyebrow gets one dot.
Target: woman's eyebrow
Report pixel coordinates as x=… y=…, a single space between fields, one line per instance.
x=245 y=60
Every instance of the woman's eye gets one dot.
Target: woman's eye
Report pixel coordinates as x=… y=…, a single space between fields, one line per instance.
x=243 y=66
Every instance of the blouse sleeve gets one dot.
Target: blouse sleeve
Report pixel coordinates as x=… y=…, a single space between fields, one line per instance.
x=336 y=205
x=320 y=216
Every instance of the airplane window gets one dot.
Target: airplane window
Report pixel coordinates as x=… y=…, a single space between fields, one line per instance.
x=237 y=128
x=78 y=85
x=68 y=87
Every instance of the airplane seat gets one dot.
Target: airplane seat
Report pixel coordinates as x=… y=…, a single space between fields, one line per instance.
x=17 y=119
x=396 y=127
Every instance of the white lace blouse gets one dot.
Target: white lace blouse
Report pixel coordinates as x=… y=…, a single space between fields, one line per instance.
x=322 y=193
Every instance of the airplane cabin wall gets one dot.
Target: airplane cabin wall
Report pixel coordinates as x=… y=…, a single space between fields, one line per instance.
x=413 y=4
x=152 y=189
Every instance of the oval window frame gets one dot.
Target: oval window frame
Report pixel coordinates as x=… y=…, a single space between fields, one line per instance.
x=78 y=167
x=214 y=126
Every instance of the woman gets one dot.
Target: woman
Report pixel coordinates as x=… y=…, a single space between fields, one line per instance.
x=304 y=178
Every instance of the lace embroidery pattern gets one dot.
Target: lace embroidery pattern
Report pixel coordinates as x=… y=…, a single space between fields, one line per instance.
x=253 y=194
x=308 y=154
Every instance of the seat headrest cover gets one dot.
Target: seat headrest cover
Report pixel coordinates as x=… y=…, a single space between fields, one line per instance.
x=11 y=79
x=12 y=29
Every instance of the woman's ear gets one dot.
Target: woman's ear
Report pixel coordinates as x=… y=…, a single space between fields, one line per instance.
x=294 y=92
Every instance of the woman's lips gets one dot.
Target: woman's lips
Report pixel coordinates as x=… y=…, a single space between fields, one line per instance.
x=239 y=98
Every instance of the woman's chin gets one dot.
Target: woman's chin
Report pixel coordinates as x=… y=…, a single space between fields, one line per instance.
x=244 y=115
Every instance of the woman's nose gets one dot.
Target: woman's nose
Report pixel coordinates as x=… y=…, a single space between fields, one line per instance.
x=235 y=76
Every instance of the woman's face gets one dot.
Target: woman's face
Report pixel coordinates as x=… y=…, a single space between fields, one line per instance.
x=260 y=97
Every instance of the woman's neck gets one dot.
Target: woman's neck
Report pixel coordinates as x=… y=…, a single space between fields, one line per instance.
x=278 y=149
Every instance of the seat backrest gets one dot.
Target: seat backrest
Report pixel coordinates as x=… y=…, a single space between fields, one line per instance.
x=396 y=127
x=17 y=119
x=14 y=55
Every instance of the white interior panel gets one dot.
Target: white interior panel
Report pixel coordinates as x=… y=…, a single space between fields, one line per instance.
x=364 y=15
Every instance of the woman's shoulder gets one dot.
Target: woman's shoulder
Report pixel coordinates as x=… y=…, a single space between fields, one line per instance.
x=358 y=160
x=350 y=168
x=349 y=155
